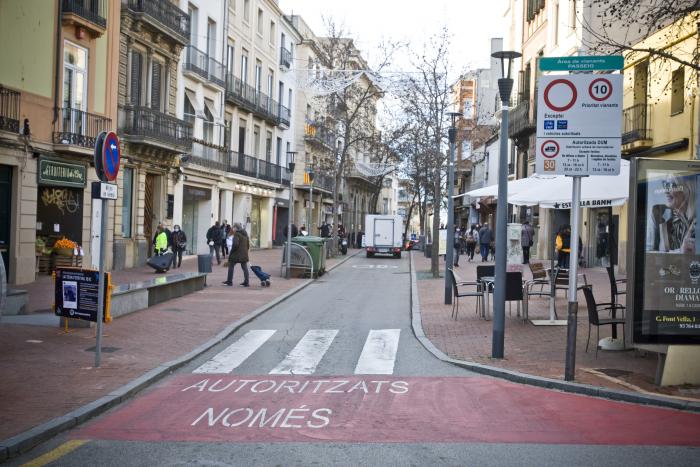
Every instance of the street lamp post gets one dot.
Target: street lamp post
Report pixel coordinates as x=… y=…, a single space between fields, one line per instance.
x=449 y=250
x=310 y=212
x=288 y=253
x=505 y=87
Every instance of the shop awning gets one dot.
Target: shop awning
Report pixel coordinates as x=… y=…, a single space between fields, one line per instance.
x=514 y=187
x=596 y=191
x=554 y=191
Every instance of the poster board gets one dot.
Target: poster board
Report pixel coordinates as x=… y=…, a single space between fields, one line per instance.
x=75 y=294
x=663 y=288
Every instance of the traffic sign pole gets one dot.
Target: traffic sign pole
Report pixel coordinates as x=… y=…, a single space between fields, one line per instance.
x=572 y=315
x=102 y=283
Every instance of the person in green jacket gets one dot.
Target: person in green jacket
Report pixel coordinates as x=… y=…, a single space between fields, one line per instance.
x=161 y=241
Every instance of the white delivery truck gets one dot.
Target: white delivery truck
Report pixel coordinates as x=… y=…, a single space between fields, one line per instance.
x=383 y=235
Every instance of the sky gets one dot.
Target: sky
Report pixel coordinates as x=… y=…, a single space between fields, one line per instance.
x=471 y=23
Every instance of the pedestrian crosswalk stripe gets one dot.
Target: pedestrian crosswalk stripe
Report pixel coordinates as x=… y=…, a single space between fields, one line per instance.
x=235 y=354
x=307 y=354
x=379 y=353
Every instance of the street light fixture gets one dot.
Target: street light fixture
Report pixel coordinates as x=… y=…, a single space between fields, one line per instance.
x=449 y=250
x=505 y=87
x=288 y=253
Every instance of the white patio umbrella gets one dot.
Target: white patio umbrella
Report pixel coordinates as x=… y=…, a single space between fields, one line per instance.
x=596 y=191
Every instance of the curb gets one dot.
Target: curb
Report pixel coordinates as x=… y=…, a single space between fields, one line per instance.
x=539 y=381
x=25 y=441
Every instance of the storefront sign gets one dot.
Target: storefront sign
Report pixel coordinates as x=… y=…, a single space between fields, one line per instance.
x=579 y=125
x=75 y=294
x=666 y=256
x=58 y=173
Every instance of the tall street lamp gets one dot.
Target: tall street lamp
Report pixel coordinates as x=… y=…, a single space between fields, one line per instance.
x=310 y=212
x=505 y=87
x=449 y=250
x=288 y=253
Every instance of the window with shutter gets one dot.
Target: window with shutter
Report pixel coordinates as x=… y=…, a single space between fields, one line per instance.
x=156 y=80
x=136 y=69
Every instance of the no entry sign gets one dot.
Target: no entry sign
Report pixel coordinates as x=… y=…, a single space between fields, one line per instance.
x=579 y=125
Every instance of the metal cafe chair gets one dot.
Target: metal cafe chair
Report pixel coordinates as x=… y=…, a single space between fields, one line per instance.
x=458 y=291
x=594 y=319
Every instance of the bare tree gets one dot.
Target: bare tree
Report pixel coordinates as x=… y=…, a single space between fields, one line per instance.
x=428 y=98
x=617 y=26
x=352 y=109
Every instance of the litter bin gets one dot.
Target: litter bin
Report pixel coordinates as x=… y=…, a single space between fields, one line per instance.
x=204 y=265
x=428 y=250
x=316 y=248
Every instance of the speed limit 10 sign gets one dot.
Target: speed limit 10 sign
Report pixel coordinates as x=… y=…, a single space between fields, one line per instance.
x=579 y=124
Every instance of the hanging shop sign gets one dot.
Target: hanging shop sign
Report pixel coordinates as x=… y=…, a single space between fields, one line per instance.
x=579 y=125
x=75 y=294
x=59 y=173
x=665 y=278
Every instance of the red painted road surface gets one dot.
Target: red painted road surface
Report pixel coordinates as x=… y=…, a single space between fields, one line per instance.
x=226 y=408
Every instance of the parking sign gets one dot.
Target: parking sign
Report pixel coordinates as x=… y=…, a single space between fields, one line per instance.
x=579 y=125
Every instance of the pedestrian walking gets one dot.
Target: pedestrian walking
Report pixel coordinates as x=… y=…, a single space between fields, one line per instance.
x=472 y=238
x=325 y=230
x=457 y=247
x=527 y=238
x=239 y=254
x=485 y=239
x=295 y=231
x=214 y=239
x=179 y=245
x=225 y=229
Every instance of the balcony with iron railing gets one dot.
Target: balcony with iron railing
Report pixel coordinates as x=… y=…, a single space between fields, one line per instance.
x=164 y=16
x=79 y=128
x=636 y=131
x=209 y=155
x=202 y=65
x=151 y=127
x=285 y=116
x=320 y=134
x=89 y=14
x=520 y=124
x=9 y=110
x=247 y=97
x=285 y=58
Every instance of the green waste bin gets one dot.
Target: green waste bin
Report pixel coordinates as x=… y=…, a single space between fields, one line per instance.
x=316 y=248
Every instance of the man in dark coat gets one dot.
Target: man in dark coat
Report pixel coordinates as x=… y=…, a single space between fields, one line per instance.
x=214 y=240
x=527 y=238
x=485 y=237
x=239 y=254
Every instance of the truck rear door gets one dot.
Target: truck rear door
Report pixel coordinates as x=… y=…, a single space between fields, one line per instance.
x=383 y=234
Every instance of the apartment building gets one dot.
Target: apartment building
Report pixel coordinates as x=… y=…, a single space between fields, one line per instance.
x=236 y=90
x=58 y=91
x=153 y=35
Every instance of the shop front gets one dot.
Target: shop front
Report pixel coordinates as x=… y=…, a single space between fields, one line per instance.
x=6 y=213
x=196 y=216
x=255 y=222
x=59 y=213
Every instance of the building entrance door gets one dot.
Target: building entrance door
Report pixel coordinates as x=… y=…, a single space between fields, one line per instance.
x=149 y=215
x=255 y=222
x=5 y=213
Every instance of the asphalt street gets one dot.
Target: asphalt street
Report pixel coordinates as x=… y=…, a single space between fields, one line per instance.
x=334 y=376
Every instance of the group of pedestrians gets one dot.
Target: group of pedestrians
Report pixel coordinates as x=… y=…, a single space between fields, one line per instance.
x=165 y=240
x=467 y=240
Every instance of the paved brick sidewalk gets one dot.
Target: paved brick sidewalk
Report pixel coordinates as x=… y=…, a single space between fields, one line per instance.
x=536 y=350
x=46 y=373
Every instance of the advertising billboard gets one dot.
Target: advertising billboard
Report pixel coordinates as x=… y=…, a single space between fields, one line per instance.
x=666 y=257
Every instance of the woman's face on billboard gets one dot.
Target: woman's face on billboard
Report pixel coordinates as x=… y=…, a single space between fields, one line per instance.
x=675 y=193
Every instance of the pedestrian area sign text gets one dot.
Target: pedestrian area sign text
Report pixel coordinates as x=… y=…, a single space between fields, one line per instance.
x=579 y=120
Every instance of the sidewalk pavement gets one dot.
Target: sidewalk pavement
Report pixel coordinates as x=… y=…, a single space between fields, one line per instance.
x=534 y=350
x=47 y=373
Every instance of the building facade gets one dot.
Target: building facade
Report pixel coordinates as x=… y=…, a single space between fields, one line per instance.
x=58 y=91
